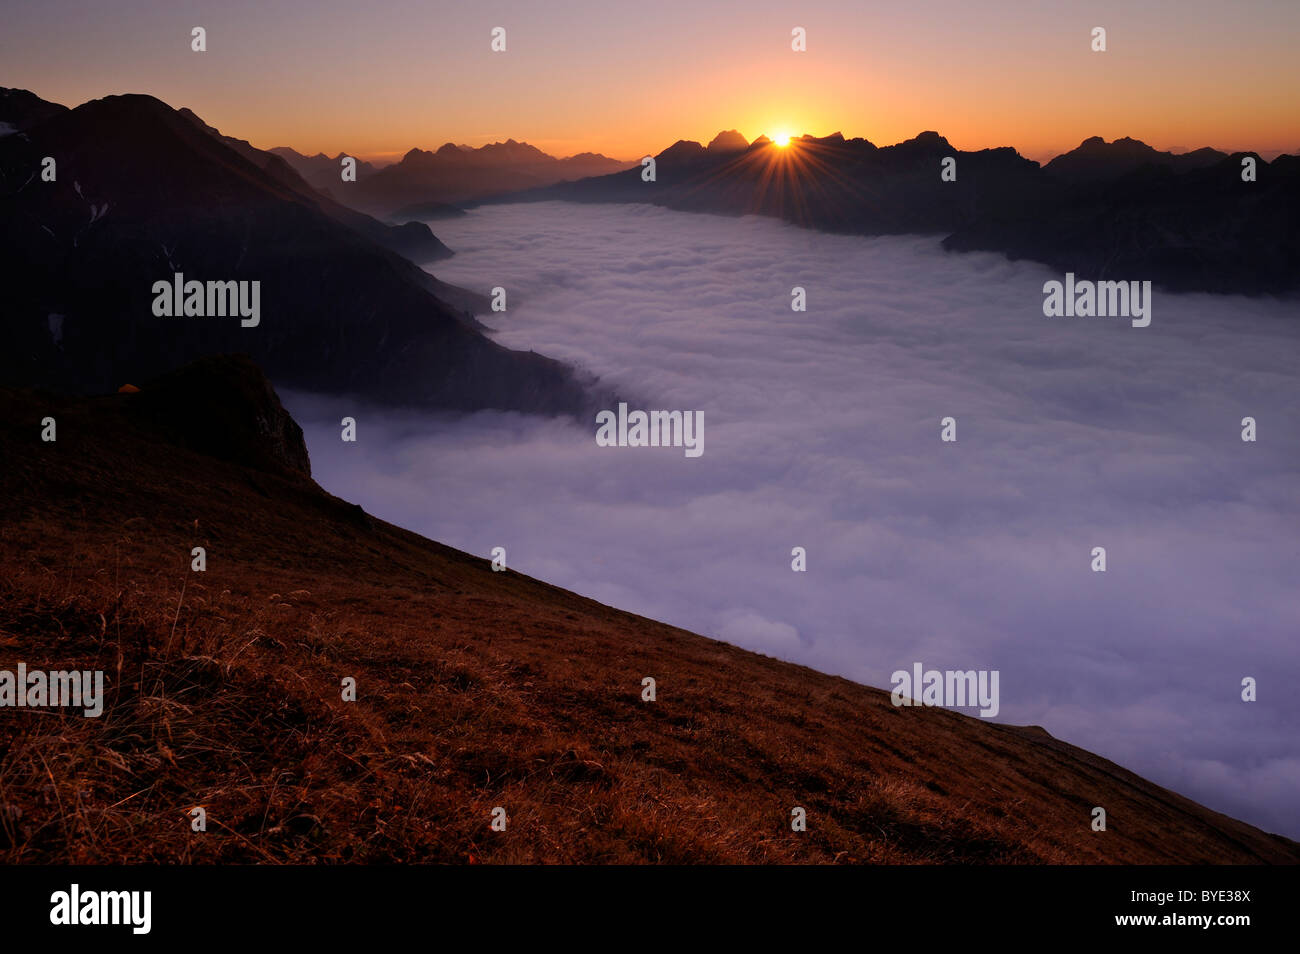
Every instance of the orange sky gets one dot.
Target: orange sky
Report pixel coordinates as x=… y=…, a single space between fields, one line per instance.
x=627 y=78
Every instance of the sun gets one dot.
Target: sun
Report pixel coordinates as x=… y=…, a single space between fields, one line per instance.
x=781 y=139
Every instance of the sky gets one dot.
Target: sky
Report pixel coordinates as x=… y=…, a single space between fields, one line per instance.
x=822 y=430
x=627 y=79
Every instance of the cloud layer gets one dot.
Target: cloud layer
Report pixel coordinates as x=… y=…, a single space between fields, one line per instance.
x=822 y=431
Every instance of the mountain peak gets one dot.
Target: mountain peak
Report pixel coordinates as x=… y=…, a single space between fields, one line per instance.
x=929 y=140
x=728 y=140
x=512 y=151
x=682 y=149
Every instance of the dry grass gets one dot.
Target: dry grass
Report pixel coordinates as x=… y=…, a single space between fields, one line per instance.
x=475 y=690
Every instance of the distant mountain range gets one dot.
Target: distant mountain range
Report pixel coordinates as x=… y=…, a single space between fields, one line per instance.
x=453 y=174
x=1119 y=210
x=321 y=171
x=1096 y=160
x=428 y=184
x=144 y=192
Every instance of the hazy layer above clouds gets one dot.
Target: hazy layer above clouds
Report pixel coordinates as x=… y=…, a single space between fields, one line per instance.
x=822 y=431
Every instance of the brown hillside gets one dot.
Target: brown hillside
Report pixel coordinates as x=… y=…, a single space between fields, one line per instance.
x=476 y=689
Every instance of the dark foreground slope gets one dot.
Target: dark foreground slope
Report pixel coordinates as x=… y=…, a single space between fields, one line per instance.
x=475 y=689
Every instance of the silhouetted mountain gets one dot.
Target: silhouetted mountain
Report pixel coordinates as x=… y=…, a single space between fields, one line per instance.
x=413 y=239
x=320 y=171
x=143 y=193
x=828 y=183
x=684 y=153
x=20 y=108
x=1201 y=229
x=508 y=153
x=728 y=141
x=1097 y=159
x=456 y=174
x=1120 y=210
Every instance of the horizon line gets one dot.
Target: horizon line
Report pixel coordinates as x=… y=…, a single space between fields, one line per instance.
x=393 y=156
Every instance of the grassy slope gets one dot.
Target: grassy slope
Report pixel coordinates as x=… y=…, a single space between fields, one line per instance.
x=476 y=688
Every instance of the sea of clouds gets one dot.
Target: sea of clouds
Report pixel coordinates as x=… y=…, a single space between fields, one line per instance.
x=822 y=431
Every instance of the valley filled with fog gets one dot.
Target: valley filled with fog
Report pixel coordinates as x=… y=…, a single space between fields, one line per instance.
x=822 y=431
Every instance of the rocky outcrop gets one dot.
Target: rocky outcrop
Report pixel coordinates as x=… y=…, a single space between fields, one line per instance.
x=223 y=406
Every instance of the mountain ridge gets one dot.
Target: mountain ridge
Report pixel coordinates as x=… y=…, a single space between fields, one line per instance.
x=454 y=174
x=1105 y=211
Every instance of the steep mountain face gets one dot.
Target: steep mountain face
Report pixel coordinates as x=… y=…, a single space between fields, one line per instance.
x=144 y=193
x=413 y=240
x=454 y=174
x=1104 y=211
x=475 y=689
